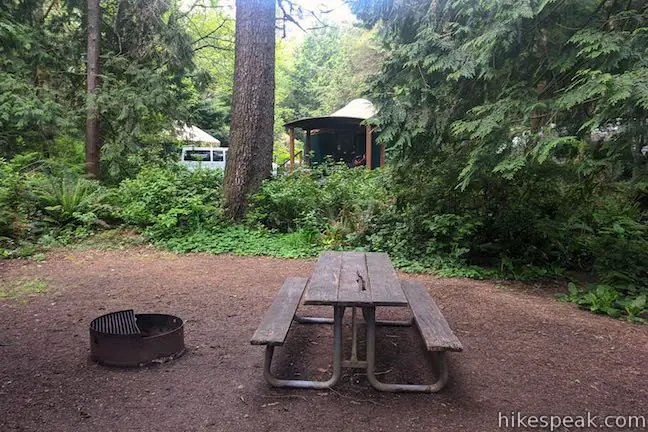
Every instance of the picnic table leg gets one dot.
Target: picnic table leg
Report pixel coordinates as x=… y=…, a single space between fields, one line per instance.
x=337 y=362
x=438 y=361
x=354 y=336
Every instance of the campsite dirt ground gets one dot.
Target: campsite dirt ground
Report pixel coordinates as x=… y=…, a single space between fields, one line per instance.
x=523 y=352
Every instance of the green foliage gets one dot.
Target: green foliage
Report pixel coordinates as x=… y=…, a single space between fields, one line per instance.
x=358 y=209
x=163 y=200
x=517 y=129
x=514 y=131
x=9 y=196
x=636 y=309
x=213 y=33
x=149 y=82
x=159 y=66
x=136 y=105
x=44 y=201
x=241 y=240
x=71 y=202
x=334 y=200
x=330 y=68
x=321 y=74
x=17 y=204
x=616 y=238
x=31 y=111
x=607 y=300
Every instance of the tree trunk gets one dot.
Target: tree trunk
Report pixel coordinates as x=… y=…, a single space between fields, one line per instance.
x=93 y=169
x=251 y=132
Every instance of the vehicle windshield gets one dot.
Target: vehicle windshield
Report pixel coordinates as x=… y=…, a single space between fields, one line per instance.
x=197 y=155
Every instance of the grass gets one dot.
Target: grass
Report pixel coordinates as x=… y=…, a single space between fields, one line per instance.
x=22 y=289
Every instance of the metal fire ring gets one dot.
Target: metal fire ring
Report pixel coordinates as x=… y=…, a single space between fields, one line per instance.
x=127 y=339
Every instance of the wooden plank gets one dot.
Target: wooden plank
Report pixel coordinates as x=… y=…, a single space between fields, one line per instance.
x=323 y=285
x=307 y=148
x=277 y=320
x=354 y=283
x=368 y=145
x=291 y=148
x=386 y=289
x=430 y=321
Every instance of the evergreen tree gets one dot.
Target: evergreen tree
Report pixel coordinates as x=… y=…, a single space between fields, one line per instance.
x=514 y=82
x=251 y=133
x=149 y=79
x=93 y=143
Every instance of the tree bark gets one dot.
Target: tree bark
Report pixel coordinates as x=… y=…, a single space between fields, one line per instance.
x=251 y=132
x=93 y=143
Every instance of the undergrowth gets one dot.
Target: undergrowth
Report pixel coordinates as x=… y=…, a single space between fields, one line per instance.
x=337 y=208
x=242 y=240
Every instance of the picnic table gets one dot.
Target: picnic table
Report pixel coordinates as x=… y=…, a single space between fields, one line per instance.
x=364 y=281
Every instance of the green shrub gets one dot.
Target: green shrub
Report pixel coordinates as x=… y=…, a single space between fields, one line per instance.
x=242 y=240
x=7 y=213
x=71 y=202
x=165 y=199
x=16 y=205
x=286 y=203
x=410 y=235
x=333 y=200
x=42 y=198
x=615 y=237
x=608 y=300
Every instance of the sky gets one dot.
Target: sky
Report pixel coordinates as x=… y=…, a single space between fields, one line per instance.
x=339 y=11
x=339 y=14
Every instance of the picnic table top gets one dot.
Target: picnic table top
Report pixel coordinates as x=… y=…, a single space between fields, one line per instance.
x=354 y=279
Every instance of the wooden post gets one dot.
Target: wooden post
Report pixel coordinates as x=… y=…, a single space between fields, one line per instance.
x=382 y=155
x=368 y=146
x=291 y=147
x=307 y=148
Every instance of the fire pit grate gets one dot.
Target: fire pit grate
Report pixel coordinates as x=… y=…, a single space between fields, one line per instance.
x=127 y=339
x=122 y=322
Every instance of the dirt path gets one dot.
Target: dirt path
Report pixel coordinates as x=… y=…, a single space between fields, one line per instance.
x=524 y=351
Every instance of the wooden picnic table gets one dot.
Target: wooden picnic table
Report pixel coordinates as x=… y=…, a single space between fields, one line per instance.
x=356 y=280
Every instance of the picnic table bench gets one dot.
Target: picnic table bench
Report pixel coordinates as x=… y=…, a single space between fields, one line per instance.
x=356 y=280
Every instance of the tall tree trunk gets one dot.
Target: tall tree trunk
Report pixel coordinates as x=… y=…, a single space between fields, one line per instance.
x=251 y=132
x=92 y=114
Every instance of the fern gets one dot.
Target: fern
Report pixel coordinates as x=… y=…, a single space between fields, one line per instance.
x=546 y=147
x=594 y=43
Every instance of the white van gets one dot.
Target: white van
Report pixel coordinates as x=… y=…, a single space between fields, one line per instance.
x=209 y=157
x=204 y=157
